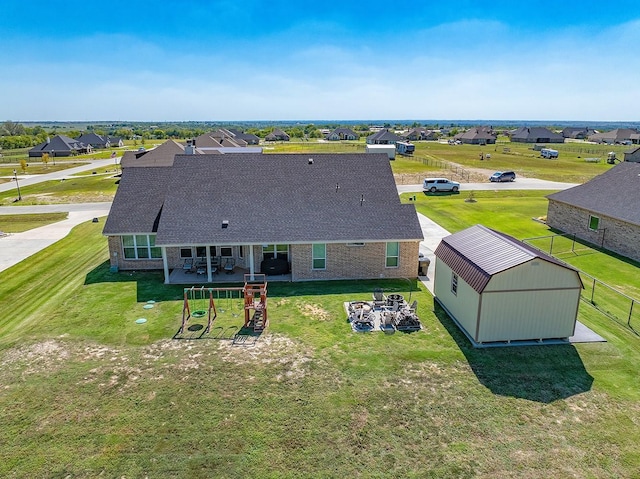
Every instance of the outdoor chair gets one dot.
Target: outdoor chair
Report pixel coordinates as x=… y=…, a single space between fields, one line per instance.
x=187 y=266
x=229 y=265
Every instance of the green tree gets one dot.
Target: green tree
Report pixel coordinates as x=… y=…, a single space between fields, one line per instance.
x=23 y=165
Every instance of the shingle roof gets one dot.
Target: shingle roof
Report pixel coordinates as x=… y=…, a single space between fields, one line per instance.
x=615 y=193
x=384 y=135
x=161 y=155
x=138 y=202
x=477 y=253
x=280 y=198
x=59 y=143
x=535 y=133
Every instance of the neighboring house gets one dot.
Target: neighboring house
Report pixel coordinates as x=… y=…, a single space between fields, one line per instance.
x=498 y=289
x=59 y=145
x=536 y=134
x=342 y=134
x=577 y=133
x=277 y=135
x=619 y=135
x=249 y=138
x=99 y=141
x=604 y=211
x=161 y=155
x=635 y=138
x=383 y=137
x=420 y=133
x=315 y=213
x=482 y=135
x=632 y=155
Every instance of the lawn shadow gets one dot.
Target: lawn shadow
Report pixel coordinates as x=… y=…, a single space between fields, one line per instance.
x=542 y=373
x=149 y=284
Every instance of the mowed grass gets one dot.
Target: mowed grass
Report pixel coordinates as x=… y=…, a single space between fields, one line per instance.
x=88 y=392
x=38 y=168
x=81 y=189
x=515 y=212
x=20 y=223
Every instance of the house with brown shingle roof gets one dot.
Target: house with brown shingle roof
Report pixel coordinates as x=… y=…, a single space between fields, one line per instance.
x=604 y=211
x=480 y=135
x=536 y=134
x=619 y=135
x=313 y=214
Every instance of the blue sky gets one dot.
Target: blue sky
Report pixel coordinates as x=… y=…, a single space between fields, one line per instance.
x=299 y=60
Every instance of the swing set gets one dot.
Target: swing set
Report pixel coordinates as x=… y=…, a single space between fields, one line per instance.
x=199 y=302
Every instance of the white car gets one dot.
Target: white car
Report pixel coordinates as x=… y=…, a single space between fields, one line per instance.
x=440 y=184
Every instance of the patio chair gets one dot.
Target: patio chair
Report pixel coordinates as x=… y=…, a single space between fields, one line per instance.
x=187 y=266
x=229 y=265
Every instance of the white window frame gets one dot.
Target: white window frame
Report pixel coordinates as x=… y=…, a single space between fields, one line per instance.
x=392 y=256
x=149 y=247
x=318 y=256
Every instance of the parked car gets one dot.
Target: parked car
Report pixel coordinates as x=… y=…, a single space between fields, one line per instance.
x=501 y=176
x=440 y=184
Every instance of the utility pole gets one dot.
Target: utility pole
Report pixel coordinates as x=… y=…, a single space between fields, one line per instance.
x=15 y=177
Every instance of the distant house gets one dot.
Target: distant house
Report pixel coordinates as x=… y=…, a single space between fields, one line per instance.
x=498 y=289
x=277 y=135
x=577 y=133
x=481 y=135
x=536 y=134
x=161 y=155
x=342 y=134
x=420 y=133
x=632 y=155
x=249 y=138
x=383 y=137
x=100 y=141
x=59 y=145
x=635 y=138
x=617 y=136
x=212 y=207
x=604 y=211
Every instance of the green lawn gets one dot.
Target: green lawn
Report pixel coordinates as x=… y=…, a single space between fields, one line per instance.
x=81 y=189
x=38 y=168
x=20 y=223
x=87 y=392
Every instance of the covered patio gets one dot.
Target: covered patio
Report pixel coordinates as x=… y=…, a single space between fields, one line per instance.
x=180 y=276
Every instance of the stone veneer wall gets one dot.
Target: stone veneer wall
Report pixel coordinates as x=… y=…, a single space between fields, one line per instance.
x=354 y=262
x=620 y=237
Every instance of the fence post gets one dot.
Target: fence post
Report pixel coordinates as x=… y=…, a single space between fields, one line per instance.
x=593 y=289
x=573 y=244
x=630 y=312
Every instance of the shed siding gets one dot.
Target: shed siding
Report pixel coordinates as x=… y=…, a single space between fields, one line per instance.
x=521 y=315
x=464 y=305
x=535 y=274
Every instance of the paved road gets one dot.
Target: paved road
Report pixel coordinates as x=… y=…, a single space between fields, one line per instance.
x=26 y=180
x=519 y=184
x=19 y=246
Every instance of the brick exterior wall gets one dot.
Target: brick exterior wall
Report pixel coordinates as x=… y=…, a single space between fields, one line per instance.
x=614 y=235
x=354 y=262
x=118 y=259
x=343 y=262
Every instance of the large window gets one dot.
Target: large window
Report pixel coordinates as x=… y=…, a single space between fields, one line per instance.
x=270 y=251
x=454 y=284
x=319 y=256
x=594 y=222
x=393 y=255
x=140 y=247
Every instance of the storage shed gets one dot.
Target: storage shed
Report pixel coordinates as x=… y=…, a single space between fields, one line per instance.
x=498 y=289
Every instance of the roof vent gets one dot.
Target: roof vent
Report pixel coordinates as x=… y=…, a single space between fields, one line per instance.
x=311 y=161
x=225 y=224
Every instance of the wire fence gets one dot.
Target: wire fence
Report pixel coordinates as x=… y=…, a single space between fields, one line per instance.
x=455 y=170
x=610 y=301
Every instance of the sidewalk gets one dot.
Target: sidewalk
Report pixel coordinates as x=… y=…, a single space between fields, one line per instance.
x=433 y=233
x=17 y=247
